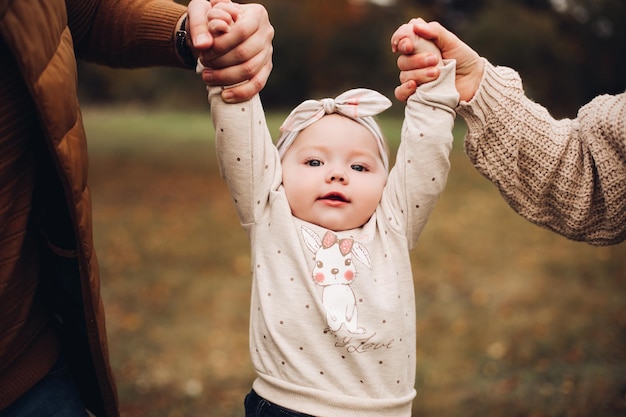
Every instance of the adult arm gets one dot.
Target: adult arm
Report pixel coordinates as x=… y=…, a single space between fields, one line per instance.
x=566 y=175
x=141 y=33
x=125 y=33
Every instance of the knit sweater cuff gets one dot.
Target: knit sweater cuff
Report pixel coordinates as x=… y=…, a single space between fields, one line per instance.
x=156 y=35
x=498 y=85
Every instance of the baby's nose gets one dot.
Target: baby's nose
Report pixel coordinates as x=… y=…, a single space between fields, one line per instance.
x=337 y=174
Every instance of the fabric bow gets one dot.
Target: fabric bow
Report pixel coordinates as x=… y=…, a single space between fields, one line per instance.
x=359 y=104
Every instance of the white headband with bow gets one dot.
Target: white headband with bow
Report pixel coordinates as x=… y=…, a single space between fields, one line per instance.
x=359 y=104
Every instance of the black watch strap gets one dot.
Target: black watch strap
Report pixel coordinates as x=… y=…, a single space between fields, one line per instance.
x=182 y=48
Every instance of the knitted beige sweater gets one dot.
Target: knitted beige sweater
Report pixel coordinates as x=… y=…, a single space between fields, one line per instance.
x=566 y=175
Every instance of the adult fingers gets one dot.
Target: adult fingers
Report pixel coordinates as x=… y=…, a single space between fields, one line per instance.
x=198 y=26
x=251 y=34
x=405 y=90
x=257 y=67
x=424 y=60
x=420 y=76
x=245 y=91
x=220 y=21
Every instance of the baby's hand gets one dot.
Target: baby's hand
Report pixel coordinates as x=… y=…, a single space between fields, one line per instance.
x=418 y=58
x=405 y=41
x=221 y=16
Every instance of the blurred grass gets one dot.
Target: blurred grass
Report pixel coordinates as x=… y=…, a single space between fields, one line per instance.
x=513 y=320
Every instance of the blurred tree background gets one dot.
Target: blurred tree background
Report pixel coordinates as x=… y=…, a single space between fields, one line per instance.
x=567 y=51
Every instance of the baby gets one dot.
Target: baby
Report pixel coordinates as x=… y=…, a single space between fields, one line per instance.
x=332 y=327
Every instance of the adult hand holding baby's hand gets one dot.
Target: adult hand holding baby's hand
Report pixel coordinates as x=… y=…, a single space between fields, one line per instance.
x=234 y=42
x=418 y=67
x=419 y=59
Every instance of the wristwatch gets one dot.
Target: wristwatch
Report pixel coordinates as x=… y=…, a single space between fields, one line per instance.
x=182 y=48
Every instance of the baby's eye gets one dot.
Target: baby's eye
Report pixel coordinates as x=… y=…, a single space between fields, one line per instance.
x=313 y=162
x=358 y=167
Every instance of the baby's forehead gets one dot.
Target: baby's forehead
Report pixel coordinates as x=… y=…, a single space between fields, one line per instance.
x=337 y=134
x=332 y=122
x=333 y=131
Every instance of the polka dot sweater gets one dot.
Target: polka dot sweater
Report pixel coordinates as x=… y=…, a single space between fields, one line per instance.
x=566 y=175
x=332 y=328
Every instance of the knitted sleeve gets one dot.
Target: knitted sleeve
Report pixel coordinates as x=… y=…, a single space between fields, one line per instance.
x=566 y=175
x=125 y=33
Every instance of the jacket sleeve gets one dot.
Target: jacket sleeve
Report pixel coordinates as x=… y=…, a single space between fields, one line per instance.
x=422 y=163
x=566 y=175
x=125 y=33
x=247 y=157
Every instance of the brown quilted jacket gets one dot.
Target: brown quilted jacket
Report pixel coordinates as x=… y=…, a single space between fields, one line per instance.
x=49 y=282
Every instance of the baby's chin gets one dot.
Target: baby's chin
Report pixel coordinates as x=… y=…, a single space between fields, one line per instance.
x=335 y=225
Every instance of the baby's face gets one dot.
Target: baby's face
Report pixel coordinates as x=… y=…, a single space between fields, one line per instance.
x=333 y=174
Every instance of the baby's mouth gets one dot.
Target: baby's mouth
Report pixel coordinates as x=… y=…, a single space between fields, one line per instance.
x=335 y=197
